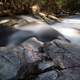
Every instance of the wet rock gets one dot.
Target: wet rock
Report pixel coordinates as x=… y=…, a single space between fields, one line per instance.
x=12 y=60
x=65 y=61
x=9 y=65
x=68 y=59
x=51 y=75
x=70 y=74
x=45 y=64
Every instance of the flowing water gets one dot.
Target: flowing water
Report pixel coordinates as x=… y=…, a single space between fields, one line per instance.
x=69 y=27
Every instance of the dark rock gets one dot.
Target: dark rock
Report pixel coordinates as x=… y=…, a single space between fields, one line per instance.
x=51 y=75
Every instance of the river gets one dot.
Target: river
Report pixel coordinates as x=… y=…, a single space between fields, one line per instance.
x=69 y=27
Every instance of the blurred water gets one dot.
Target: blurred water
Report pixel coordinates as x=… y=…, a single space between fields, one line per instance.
x=69 y=27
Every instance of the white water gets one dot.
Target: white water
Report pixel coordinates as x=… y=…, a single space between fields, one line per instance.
x=69 y=27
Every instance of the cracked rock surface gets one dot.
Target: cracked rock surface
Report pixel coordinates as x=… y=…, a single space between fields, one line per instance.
x=64 y=63
x=26 y=62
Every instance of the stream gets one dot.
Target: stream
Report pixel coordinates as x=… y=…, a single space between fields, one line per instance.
x=69 y=27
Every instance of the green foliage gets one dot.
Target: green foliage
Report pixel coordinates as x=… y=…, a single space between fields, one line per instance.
x=60 y=2
x=44 y=2
x=52 y=6
x=72 y=5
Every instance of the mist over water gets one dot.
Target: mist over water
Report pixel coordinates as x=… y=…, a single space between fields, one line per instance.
x=69 y=27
